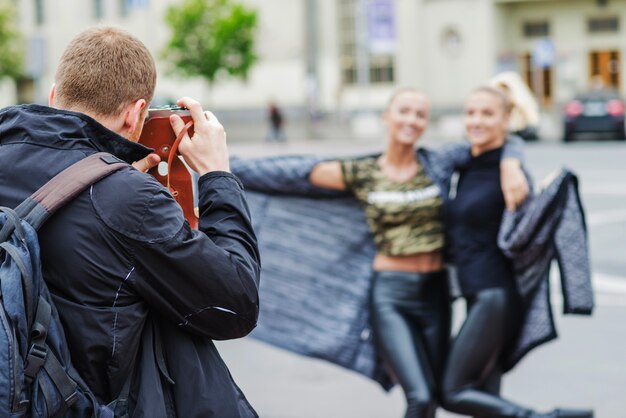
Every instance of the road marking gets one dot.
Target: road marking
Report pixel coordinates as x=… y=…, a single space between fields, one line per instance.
x=608 y=290
x=603 y=283
x=614 y=189
x=609 y=284
x=606 y=217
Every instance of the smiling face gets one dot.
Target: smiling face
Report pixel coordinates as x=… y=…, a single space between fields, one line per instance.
x=486 y=119
x=406 y=117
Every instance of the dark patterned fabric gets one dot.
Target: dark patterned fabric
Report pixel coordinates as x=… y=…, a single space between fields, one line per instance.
x=405 y=218
x=550 y=227
x=316 y=255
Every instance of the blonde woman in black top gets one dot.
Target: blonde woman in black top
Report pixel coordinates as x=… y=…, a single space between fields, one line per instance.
x=472 y=377
x=402 y=197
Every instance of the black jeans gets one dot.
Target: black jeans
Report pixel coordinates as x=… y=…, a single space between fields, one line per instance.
x=410 y=315
x=472 y=378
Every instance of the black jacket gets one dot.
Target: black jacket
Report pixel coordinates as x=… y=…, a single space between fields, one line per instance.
x=122 y=264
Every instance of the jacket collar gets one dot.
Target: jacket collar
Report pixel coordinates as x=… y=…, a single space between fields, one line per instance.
x=65 y=129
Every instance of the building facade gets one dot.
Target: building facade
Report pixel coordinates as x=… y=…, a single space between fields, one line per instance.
x=349 y=55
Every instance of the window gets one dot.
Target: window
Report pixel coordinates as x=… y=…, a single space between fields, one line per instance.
x=603 y=24
x=538 y=79
x=605 y=65
x=366 y=41
x=381 y=69
x=536 y=29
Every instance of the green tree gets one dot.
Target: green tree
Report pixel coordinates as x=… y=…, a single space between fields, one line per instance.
x=11 y=45
x=210 y=37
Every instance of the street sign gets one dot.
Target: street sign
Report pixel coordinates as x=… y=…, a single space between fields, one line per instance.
x=543 y=53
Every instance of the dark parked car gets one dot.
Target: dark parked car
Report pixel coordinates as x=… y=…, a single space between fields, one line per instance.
x=595 y=112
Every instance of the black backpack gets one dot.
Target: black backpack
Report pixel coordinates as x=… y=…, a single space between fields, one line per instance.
x=37 y=378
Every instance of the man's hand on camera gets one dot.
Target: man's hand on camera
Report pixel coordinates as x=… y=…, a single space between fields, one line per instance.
x=145 y=164
x=206 y=150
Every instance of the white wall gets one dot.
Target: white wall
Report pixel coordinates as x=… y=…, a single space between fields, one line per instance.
x=452 y=73
x=280 y=47
x=280 y=72
x=488 y=29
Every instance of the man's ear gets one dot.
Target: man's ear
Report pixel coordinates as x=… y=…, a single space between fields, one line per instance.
x=51 y=95
x=133 y=119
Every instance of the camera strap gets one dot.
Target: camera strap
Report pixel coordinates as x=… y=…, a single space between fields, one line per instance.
x=172 y=155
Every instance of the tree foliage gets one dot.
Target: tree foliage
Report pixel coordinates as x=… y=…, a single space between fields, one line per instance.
x=210 y=37
x=11 y=44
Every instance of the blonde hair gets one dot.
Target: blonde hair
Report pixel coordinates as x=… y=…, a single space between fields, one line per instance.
x=507 y=106
x=102 y=70
x=525 y=110
x=401 y=90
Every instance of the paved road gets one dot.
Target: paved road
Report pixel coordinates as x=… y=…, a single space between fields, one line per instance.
x=585 y=367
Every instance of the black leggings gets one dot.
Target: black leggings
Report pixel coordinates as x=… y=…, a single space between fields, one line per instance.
x=410 y=315
x=471 y=381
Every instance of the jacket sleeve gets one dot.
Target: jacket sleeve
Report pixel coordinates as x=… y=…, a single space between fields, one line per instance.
x=207 y=280
x=443 y=161
x=514 y=148
x=287 y=175
x=450 y=157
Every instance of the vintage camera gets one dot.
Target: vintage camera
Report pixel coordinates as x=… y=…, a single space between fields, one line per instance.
x=158 y=134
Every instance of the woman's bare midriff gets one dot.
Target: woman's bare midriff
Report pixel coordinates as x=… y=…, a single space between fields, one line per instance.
x=415 y=263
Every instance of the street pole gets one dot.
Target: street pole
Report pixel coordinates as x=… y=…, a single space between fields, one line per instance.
x=537 y=79
x=362 y=47
x=312 y=78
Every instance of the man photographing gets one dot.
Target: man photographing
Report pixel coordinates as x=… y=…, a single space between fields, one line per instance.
x=141 y=295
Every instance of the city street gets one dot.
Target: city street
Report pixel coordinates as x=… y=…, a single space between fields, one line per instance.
x=308 y=77
x=585 y=367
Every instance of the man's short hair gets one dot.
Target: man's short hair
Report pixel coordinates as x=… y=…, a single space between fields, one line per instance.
x=103 y=70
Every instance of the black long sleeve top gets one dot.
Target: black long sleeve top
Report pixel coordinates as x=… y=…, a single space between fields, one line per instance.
x=472 y=217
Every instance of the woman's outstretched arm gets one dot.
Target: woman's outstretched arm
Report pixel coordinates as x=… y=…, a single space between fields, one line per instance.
x=328 y=175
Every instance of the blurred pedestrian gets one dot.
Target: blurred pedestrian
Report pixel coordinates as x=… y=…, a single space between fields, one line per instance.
x=276 y=122
x=495 y=308
x=401 y=192
x=524 y=118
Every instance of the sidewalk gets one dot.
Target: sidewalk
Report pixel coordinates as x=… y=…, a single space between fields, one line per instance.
x=365 y=129
x=583 y=368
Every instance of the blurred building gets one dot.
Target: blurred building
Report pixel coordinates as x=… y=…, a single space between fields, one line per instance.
x=341 y=56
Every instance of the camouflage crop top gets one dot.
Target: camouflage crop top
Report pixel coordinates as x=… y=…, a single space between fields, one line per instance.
x=405 y=218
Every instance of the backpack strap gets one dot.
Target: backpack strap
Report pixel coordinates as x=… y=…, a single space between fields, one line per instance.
x=35 y=210
x=39 y=356
x=65 y=186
